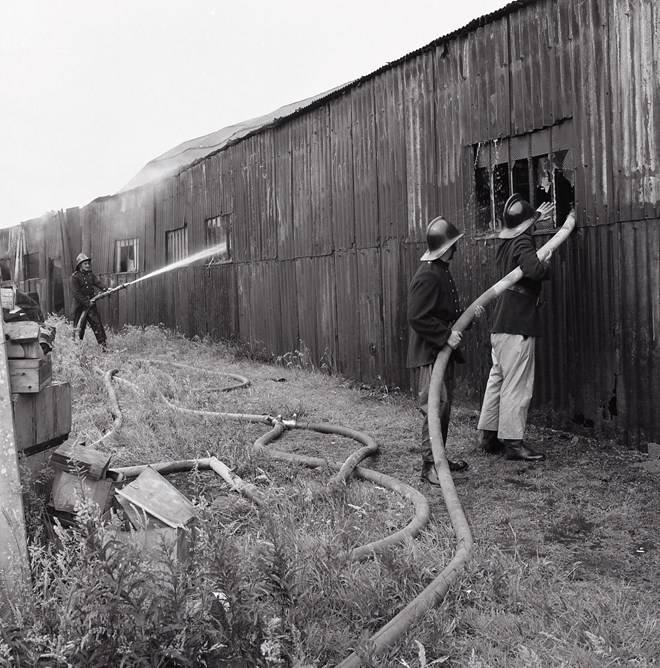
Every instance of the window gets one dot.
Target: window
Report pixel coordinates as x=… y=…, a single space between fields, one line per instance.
x=5 y=269
x=538 y=166
x=126 y=256
x=31 y=265
x=176 y=244
x=218 y=232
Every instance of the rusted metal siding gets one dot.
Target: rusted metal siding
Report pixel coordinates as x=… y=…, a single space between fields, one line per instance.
x=320 y=181
x=365 y=182
x=343 y=173
x=349 y=320
x=421 y=164
x=329 y=209
x=634 y=55
x=284 y=193
x=391 y=156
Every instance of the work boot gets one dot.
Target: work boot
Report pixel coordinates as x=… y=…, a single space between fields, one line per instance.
x=104 y=347
x=460 y=465
x=516 y=449
x=428 y=473
x=490 y=443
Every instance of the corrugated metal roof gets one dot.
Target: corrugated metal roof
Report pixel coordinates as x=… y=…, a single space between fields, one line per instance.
x=182 y=156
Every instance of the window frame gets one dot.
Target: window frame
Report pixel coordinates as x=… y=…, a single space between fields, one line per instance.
x=176 y=244
x=120 y=244
x=218 y=229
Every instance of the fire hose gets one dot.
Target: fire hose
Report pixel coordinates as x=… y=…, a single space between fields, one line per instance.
x=435 y=592
x=344 y=470
x=105 y=293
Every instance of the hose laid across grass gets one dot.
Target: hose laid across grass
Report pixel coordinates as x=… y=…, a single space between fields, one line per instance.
x=344 y=470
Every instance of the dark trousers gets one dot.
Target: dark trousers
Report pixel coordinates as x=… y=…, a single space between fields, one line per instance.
x=444 y=408
x=94 y=320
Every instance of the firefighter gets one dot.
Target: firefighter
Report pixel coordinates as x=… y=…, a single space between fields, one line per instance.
x=433 y=307
x=83 y=284
x=516 y=324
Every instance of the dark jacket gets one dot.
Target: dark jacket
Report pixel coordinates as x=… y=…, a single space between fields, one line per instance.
x=433 y=307
x=82 y=286
x=517 y=309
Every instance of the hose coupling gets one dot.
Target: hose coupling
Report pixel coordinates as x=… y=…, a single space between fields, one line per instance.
x=287 y=424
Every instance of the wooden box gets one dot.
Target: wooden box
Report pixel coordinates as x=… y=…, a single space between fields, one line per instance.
x=77 y=458
x=29 y=375
x=42 y=420
x=69 y=488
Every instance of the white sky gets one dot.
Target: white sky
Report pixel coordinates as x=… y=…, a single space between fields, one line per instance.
x=91 y=90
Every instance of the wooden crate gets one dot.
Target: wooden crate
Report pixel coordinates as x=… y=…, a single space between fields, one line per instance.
x=77 y=458
x=42 y=420
x=29 y=375
x=68 y=489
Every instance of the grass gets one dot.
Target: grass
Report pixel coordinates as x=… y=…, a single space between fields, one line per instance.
x=564 y=571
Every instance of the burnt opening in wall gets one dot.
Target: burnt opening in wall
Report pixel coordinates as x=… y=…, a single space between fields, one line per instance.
x=611 y=404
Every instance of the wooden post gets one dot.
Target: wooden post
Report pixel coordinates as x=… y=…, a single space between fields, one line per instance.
x=13 y=539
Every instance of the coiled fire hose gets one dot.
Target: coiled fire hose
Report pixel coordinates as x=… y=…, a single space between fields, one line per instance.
x=435 y=592
x=279 y=426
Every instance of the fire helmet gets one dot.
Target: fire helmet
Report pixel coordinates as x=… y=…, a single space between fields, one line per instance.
x=518 y=217
x=441 y=235
x=81 y=258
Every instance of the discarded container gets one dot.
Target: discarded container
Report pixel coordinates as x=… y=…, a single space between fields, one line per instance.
x=78 y=458
x=81 y=475
x=68 y=489
x=162 y=517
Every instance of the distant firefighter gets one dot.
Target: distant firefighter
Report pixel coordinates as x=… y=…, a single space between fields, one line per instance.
x=83 y=283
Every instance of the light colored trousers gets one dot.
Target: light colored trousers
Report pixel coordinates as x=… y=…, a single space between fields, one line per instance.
x=510 y=386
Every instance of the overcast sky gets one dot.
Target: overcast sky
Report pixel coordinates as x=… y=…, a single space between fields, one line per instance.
x=94 y=89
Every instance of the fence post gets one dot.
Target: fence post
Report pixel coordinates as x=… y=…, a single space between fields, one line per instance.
x=13 y=540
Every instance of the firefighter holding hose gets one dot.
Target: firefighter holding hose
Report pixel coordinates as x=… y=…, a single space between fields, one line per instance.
x=516 y=324
x=433 y=307
x=84 y=283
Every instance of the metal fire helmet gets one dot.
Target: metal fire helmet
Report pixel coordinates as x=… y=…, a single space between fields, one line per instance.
x=518 y=216
x=441 y=235
x=81 y=258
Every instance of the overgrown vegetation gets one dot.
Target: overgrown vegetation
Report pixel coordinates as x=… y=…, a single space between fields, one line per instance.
x=564 y=573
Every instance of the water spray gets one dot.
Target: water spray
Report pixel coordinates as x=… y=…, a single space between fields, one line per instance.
x=201 y=255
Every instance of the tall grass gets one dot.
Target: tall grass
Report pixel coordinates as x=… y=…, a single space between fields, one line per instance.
x=270 y=586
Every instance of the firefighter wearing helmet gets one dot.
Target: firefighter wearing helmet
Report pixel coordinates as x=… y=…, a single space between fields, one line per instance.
x=433 y=307
x=83 y=284
x=516 y=324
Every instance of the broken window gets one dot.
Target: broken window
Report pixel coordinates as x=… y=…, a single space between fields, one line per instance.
x=538 y=166
x=126 y=256
x=176 y=244
x=5 y=268
x=31 y=265
x=218 y=235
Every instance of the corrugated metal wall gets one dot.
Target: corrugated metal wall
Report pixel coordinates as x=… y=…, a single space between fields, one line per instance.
x=328 y=210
